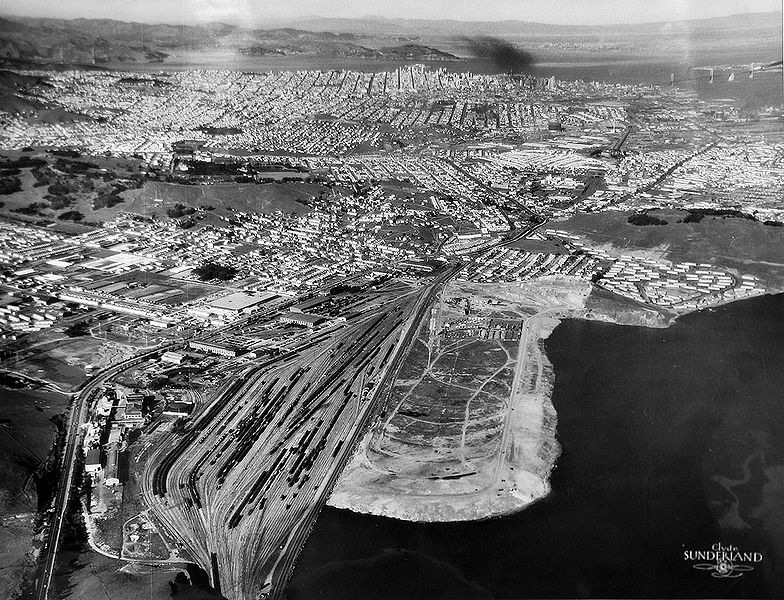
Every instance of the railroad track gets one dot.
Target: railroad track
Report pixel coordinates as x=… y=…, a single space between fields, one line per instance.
x=242 y=487
x=77 y=417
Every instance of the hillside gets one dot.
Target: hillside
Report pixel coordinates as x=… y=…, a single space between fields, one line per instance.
x=405 y=27
x=17 y=92
x=101 y=41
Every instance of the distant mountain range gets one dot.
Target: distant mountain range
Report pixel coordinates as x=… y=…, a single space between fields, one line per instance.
x=418 y=27
x=96 y=42
x=100 y=41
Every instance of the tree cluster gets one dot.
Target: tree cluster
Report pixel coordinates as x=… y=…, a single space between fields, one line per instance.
x=212 y=270
x=643 y=219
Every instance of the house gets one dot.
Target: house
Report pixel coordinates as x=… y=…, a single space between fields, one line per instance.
x=92 y=462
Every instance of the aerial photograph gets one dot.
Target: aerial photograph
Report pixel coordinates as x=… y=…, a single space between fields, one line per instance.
x=391 y=299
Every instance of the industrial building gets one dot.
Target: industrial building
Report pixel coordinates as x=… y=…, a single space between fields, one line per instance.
x=174 y=358
x=219 y=349
x=304 y=319
x=238 y=303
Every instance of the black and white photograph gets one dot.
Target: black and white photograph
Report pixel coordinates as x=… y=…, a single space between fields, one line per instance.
x=391 y=299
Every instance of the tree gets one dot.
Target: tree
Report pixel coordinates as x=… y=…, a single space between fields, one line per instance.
x=59 y=202
x=212 y=270
x=9 y=185
x=642 y=219
x=33 y=208
x=78 y=329
x=179 y=210
x=71 y=215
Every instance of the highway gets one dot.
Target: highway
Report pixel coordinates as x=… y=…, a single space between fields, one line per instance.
x=678 y=165
x=77 y=416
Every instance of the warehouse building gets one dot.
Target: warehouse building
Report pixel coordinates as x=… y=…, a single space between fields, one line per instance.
x=303 y=319
x=238 y=303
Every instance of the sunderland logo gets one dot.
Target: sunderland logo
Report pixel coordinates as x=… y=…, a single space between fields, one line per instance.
x=723 y=561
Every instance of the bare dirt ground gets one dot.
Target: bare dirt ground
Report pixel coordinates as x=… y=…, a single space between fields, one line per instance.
x=92 y=575
x=16 y=555
x=469 y=430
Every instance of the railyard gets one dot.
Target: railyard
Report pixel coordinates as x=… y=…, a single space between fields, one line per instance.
x=241 y=485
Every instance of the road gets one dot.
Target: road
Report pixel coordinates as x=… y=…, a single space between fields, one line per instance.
x=677 y=166
x=77 y=416
x=669 y=171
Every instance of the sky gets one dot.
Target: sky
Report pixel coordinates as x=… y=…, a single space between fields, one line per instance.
x=253 y=12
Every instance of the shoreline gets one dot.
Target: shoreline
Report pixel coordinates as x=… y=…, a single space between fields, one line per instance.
x=517 y=473
x=29 y=411
x=535 y=449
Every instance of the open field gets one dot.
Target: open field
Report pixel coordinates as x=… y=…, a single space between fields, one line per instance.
x=16 y=560
x=603 y=305
x=54 y=356
x=53 y=185
x=93 y=575
x=30 y=195
x=59 y=360
x=25 y=440
x=155 y=197
x=746 y=246
x=26 y=435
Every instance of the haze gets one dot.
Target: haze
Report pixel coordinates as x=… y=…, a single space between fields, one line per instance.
x=572 y=12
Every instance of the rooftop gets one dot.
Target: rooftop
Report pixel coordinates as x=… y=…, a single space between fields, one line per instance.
x=240 y=300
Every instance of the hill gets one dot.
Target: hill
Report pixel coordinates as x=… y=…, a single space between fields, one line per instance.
x=17 y=92
x=55 y=42
x=99 y=41
x=421 y=27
